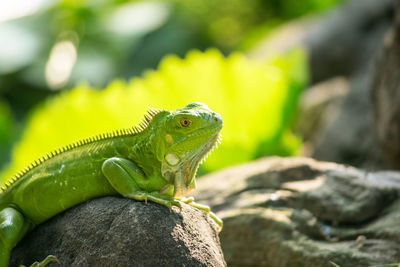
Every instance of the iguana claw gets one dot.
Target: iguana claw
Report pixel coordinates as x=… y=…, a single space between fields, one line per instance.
x=205 y=209
x=175 y=203
x=217 y=220
x=155 y=197
x=187 y=200
x=46 y=261
x=190 y=201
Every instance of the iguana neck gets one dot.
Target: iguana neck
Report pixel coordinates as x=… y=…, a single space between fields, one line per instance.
x=143 y=152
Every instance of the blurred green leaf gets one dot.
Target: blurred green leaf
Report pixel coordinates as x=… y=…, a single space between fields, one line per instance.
x=6 y=132
x=6 y=122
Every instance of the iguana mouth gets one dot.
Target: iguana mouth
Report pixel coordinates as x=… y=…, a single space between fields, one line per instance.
x=202 y=131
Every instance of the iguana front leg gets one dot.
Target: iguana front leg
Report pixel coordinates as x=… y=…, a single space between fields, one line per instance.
x=123 y=175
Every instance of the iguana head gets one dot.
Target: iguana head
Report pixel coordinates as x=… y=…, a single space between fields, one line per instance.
x=189 y=135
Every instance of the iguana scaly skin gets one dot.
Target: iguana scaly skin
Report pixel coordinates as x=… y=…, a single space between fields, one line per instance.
x=156 y=160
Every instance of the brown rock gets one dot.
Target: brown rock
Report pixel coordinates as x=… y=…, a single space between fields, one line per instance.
x=386 y=96
x=319 y=107
x=300 y=212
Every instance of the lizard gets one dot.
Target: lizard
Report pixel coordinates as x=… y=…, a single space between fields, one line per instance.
x=156 y=160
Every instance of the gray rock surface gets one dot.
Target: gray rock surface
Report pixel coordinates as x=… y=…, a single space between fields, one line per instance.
x=319 y=106
x=343 y=42
x=348 y=138
x=301 y=212
x=346 y=42
x=386 y=96
x=114 y=231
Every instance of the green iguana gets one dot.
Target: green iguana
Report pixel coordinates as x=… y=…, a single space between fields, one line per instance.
x=156 y=160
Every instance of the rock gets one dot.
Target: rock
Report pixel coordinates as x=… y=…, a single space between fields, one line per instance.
x=348 y=137
x=347 y=43
x=301 y=212
x=386 y=96
x=114 y=231
x=343 y=42
x=318 y=107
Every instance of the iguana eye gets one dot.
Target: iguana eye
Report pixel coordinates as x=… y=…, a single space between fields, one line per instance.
x=185 y=122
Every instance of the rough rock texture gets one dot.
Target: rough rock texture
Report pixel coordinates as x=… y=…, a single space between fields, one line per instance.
x=301 y=212
x=386 y=96
x=319 y=105
x=346 y=43
x=114 y=231
x=343 y=42
x=348 y=137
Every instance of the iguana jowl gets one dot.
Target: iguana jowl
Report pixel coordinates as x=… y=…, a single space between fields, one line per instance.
x=156 y=160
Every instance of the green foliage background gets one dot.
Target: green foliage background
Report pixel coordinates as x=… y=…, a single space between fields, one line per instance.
x=255 y=99
x=7 y=130
x=228 y=23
